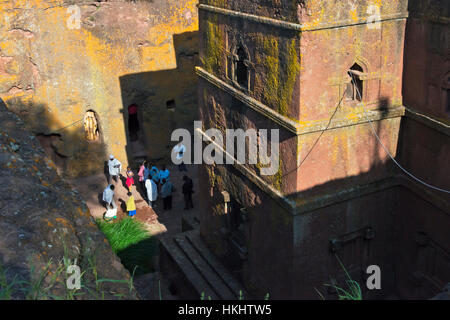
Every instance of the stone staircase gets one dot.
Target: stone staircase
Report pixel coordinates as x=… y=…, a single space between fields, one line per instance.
x=193 y=270
x=189 y=222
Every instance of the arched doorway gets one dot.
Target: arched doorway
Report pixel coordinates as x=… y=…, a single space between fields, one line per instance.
x=91 y=126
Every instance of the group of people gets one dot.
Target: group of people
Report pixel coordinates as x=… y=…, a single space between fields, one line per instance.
x=156 y=181
x=114 y=169
x=153 y=180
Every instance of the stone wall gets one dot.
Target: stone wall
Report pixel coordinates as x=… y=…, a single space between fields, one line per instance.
x=52 y=72
x=266 y=226
x=423 y=259
x=424 y=150
x=299 y=74
x=427 y=67
x=347 y=189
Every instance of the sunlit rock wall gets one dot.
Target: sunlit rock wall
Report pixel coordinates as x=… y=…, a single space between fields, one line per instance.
x=53 y=70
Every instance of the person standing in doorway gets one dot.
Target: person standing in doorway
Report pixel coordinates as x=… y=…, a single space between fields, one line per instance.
x=114 y=167
x=152 y=192
x=166 y=194
x=188 y=187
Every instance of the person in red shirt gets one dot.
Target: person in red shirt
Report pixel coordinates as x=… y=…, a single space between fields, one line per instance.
x=130 y=180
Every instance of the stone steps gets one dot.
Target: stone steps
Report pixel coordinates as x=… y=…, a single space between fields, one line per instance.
x=200 y=271
x=189 y=222
x=191 y=284
x=233 y=285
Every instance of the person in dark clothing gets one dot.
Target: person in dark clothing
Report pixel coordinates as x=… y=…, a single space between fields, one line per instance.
x=166 y=194
x=188 y=187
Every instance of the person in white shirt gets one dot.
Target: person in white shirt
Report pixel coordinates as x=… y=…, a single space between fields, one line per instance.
x=114 y=167
x=152 y=192
x=180 y=150
x=108 y=196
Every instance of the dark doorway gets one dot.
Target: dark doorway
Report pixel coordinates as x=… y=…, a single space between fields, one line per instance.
x=133 y=122
x=237 y=253
x=166 y=100
x=447 y=108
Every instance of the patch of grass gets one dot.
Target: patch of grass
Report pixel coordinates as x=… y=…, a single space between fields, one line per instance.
x=7 y=288
x=353 y=290
x=132 y=243
x=55 y=274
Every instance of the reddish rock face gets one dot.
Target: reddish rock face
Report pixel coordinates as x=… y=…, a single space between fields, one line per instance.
x=47 y=222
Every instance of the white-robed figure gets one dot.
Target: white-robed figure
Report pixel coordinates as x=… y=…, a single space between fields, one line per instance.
x=114 y=167
x=152 y=192
x=108 y=196
x=180 y=151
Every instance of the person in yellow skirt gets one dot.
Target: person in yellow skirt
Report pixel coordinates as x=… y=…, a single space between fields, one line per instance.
x=131 y=206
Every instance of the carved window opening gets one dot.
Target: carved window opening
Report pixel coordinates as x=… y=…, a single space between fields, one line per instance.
x=170 y=104
x=230 y=67
x=355 y=86
x=91 y=127
x=241 y=68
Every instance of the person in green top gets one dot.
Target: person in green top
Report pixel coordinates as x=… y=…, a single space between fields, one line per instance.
x=131 y=206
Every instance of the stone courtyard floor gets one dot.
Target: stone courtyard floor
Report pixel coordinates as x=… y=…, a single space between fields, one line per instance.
x=158 y=222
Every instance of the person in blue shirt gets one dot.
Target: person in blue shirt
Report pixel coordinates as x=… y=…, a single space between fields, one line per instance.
x=154 y=173
x=164 y=173
x=146 y=172
x=166 y=194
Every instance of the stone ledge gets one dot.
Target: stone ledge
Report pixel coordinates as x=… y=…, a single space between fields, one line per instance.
x=291 y=125
x=260 y=183
x=359 y=118
x=297 y=26
x=328 y=199
x=296 y=207
x=428 y=121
